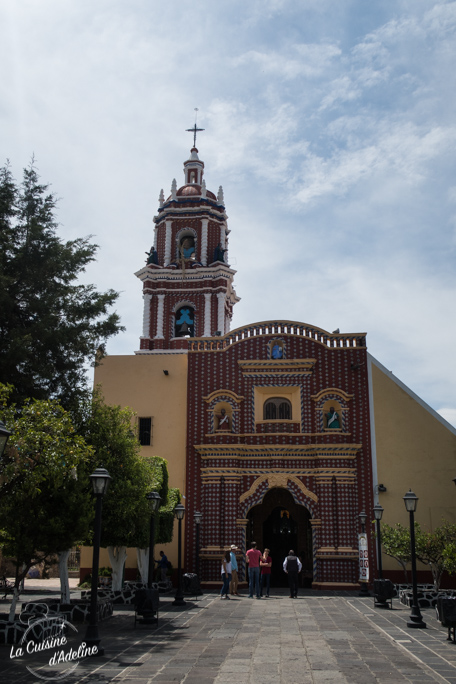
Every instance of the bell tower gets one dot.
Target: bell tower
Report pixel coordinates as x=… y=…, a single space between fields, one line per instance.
x=187 y=281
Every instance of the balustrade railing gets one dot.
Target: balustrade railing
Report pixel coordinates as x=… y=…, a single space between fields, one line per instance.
x=332 y=340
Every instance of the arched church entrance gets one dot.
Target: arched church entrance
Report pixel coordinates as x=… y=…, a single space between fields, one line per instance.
x=281 y=524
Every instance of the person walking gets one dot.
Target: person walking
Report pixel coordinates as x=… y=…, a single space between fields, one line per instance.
x=292 y=566
x=252 y=557
x=226 y=575
x=163 y=566
x=234 y=571
x=265 y=566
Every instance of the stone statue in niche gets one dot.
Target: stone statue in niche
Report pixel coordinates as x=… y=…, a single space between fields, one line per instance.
x=187 y=248
x=332 y=419
x=219 y=253
x=152 y=257
x=277 y=351
x=223 y=420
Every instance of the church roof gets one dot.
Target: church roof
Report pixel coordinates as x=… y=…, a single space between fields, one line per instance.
x=193 y=189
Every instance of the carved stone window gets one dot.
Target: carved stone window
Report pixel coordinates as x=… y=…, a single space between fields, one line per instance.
x=277 y=408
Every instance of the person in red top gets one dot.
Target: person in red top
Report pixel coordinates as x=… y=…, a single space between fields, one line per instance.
x=253 y=559
x=265 y=565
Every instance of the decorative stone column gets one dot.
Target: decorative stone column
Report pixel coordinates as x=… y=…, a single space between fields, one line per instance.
x=223 y=241
x=203 y=255
x=316 y=528
x=207 y=314
x=161 y=302
x=242 y=524
x=167 y=259
x=221 y=312
x=146 y=316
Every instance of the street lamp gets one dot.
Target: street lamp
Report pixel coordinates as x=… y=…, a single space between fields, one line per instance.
x=4 y=434
x=363 y=556
x=154 y=500
x=416 y=619
x=197 y=517
x=378 y=512
x=179 y=513
x=100 y=483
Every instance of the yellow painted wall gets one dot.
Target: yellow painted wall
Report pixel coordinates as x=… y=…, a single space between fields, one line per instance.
x=138 y=381
x=414 y=451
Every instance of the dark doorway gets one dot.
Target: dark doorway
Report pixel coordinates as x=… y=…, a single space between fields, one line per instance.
x=280 y=524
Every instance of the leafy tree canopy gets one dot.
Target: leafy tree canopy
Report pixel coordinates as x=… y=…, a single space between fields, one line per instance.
x=432 y=549
x=396 y=543
x=50 y=325
x=45 y=493
x=437 y=549
x=126 y=514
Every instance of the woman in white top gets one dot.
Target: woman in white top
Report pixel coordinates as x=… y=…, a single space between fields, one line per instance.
x=226 y=575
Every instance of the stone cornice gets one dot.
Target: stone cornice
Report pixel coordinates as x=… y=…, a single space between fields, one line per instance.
x=289 y=451
x=279 y=367
x=191 y=274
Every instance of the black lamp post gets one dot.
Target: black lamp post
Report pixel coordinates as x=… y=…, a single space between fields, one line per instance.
x=416 y=619
x=154 y=500
x=100 y=482
x=378 y=512
x=197 y=517
x=4 y=434
x=179 y=513
x=362 y=519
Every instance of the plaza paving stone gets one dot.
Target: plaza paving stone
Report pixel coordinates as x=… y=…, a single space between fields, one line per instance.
x=334 y=638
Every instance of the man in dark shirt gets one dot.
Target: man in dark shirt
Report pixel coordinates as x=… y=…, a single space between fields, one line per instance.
x=292 y=566
x=163 y=565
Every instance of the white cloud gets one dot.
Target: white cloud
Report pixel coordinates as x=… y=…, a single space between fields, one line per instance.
x=310 y=62
x=449 y=414
x=329 y=125
x=402 y=150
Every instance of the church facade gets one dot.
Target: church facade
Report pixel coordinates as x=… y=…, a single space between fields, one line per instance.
x=278 y=432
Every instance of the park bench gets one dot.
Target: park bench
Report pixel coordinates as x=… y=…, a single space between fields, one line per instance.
x=384 y=592
x=446 y=613
x=6 y=587
x=147 y=603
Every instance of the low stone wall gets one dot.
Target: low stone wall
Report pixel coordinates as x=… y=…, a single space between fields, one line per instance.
x=75 y=612
x=427 y=596
x=127 y=595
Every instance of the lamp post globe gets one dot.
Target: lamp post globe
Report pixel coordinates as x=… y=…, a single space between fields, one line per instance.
x=378 y=512
x=416 y=619
x=179 y=513
x=197 y=516
x=100 y=482
x=154 y=500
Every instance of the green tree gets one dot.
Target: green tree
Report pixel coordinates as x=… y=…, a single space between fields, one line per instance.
x=45 y=502
x=449 y=558
x=436 y=549
x=396 y=544
x=432 y=549
x=51 y=325
x=164 y=521
x=126 y=515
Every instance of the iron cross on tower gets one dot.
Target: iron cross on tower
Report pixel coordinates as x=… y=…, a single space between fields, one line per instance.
x=195 y=129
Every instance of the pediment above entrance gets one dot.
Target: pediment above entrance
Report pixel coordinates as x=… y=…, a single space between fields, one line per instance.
x=276 y=451
x=278 y=480
x=277 y=367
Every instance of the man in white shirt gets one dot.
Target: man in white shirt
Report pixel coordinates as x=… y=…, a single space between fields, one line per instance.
x=292 y=566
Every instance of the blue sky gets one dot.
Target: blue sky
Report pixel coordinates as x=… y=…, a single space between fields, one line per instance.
x=330 y=125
